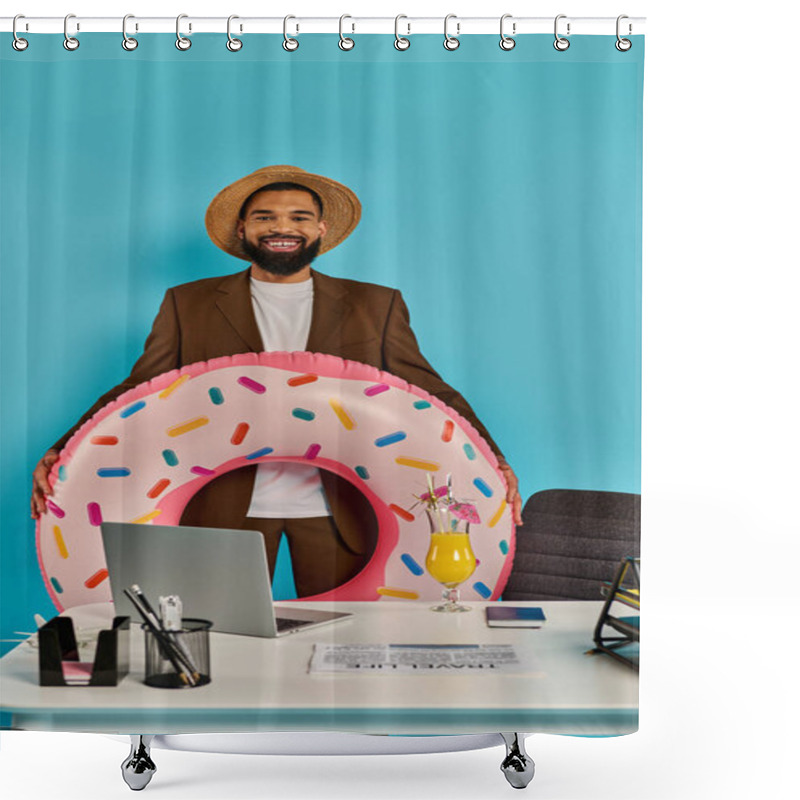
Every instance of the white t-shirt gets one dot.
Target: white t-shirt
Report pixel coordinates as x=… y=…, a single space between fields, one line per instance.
x=283 y=315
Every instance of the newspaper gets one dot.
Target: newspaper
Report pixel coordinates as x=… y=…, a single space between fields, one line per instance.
x=414 y=658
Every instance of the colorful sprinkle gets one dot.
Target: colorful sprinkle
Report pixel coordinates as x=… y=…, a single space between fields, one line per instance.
x=301 y=380
x=95 y=514
x=303 y=413
x=113 y=472
x=497 y=514
x=131 y=410
x=362 y=473
x=96 y=579
x=420 y=405
x=170 y=457
x=106 y=440
x=403 y=594
x=146 y=517
x=173 y=386
x=202 y=471
x=482 y=589
x=470 y=451
x=428 y=466
x=264 y=451
x=158 y=487
x=483 y=487
x=412 y=565
x=391 y=438
x=376 y=388
x=504 y=547
x=344 y=417
x=313 y=451
x=239 y=433
x=59 y=512
x=447 y=431
x=185 y=427
x=62 y=473
x=215 y=393
x=401 y=512
x=253 y=386
x=62 y=547
x=56 y=585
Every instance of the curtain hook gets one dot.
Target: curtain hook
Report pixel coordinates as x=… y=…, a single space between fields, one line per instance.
x=400 y=42
x=507 y=42
x=181 y=42
x=623 y=45
x=289 y=43
x=451 y=42
x=19 y=44
x=345 y=43
x=128 y=42
x=233 y=44
x=560 y=43
x=70 y=42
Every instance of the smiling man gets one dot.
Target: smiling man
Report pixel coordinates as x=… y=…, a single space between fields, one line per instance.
x=281 y=231
x=280 y=219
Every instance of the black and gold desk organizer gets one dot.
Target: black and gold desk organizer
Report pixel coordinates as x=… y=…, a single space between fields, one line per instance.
x=58 y=646
x=618 y=636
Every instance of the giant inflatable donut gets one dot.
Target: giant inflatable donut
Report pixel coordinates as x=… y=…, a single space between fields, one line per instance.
x=143 y=456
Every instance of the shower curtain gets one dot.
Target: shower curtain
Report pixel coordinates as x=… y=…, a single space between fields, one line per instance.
x=500 y=196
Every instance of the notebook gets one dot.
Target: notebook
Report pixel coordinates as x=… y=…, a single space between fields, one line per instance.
x=508 y=616
x=220 y=575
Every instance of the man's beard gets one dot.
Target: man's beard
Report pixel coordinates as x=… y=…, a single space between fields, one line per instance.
x=282 y=263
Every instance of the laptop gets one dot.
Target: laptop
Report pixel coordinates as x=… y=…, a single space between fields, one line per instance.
x=220 y=574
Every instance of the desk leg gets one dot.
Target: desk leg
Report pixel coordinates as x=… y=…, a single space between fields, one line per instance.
x=517 y=766
x=138 y=768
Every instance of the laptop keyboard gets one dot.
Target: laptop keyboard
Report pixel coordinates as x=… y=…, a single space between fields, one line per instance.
x=284 y=623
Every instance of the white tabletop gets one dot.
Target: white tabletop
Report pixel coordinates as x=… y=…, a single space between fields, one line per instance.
x=264 y=684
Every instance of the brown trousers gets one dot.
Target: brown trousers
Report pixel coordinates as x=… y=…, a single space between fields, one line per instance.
x=321 y=559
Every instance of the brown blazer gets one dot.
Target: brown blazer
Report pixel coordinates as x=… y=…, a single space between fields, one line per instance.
x=214 y=317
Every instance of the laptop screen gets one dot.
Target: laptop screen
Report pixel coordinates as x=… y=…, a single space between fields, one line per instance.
x=220 y=574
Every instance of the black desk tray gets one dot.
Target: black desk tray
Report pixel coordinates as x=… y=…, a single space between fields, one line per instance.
x=57 y=645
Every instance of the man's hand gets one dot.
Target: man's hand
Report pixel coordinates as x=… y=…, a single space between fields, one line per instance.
x=41 y=485
x=512 y=496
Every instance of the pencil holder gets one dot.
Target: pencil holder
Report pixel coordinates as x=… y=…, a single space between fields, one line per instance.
x=178 y=659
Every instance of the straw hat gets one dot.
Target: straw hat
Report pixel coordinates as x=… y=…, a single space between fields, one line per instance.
x=341 y=207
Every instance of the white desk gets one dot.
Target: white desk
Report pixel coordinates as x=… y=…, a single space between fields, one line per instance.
x=264 y=685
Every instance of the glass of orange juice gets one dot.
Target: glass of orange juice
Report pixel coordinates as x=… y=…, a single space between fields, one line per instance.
x=450 y=559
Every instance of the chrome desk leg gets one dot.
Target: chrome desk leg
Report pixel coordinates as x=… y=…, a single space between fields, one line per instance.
x=138 y=768
x=517 y=766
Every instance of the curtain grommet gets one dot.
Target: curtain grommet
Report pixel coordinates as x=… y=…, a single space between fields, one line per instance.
x=401 y=43
x=18 y=43
x=622 y=44
x=507 y=42
x=289 y=44
x=345 y=42
x=233 y=44
x=70 y=42
x=128 y=42
x=181 y=42
x=451 y=42
x=561 y=43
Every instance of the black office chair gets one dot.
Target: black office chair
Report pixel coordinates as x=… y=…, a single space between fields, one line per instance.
x=570 y=542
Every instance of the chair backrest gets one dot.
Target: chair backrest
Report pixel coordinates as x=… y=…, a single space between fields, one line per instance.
x=570 y=542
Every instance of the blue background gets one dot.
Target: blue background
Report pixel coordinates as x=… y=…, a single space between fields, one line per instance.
x=501 y=195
